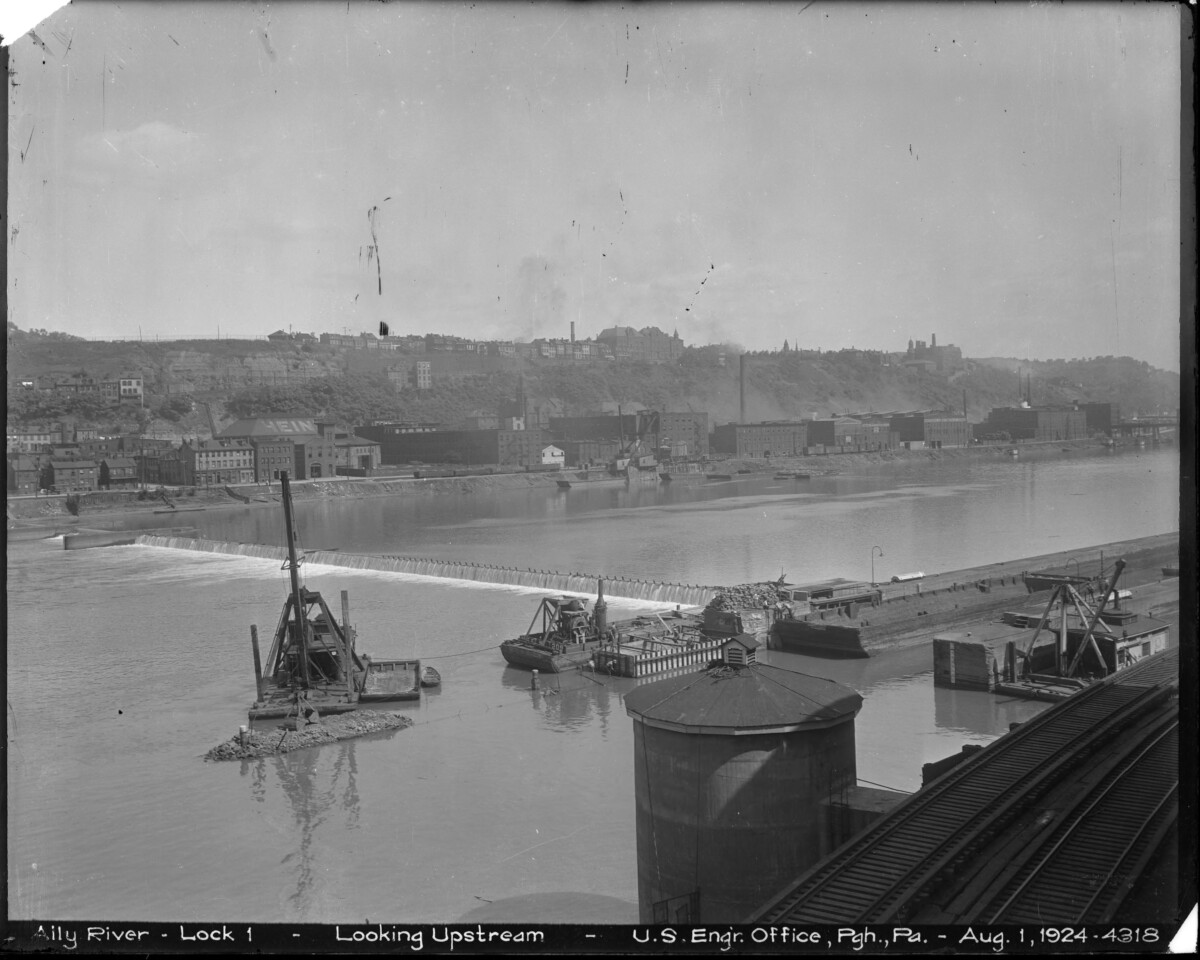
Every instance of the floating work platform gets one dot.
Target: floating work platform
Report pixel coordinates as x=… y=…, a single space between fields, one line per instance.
x=644 y=654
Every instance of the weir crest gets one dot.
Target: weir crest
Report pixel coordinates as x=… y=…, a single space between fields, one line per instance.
x=686 y=594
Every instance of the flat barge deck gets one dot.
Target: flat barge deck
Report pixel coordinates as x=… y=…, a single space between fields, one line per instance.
x=909 y=613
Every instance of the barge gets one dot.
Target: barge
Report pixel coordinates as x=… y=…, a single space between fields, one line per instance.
x=656 y=644
x=683 y=640
x=313 y=667
x=567 y=635
x=1081 y=646
x=856 y=619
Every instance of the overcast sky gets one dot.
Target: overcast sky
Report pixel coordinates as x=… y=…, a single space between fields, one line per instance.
x=1005 y=177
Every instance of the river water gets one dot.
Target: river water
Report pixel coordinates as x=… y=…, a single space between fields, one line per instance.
x=126 y=664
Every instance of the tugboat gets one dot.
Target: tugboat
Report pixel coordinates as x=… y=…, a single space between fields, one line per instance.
x=313 y=667
x=567 y=636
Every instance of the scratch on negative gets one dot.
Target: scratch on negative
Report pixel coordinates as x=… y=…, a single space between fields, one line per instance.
x=565 y=836
x=555 y=33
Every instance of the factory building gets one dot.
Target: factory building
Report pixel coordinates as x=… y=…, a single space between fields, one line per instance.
x=778 y=438
x=688 y=429
x=311 y=442
x=1101 y=418
x=933 y=430
x=1034 y=423
x=516 y=448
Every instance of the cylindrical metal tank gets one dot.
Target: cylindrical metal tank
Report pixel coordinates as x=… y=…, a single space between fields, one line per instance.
x=735 y=768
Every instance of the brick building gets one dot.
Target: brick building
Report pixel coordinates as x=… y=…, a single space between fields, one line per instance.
x=74 y=476
x=772 y=438
x=214 y=463
x=648 y=344
x=356 y=453
x=689 y=428
x=934 y=430
x=311 y=443
x=515 y=448
x=273 y=455
x=24 y=474
x=118 y=472
x=1034 y=423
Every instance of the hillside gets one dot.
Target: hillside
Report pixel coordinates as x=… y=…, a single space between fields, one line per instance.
x=239 y=378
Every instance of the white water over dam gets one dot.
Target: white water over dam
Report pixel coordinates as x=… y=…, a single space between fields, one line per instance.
x=686 y=594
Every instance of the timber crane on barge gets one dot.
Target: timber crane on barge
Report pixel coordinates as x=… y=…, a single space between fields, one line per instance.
x=313 y=665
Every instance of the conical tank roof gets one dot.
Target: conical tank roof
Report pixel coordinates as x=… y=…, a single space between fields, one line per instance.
x=728 y=700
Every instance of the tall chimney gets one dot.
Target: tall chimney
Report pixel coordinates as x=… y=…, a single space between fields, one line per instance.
x=933 y=340
x=572 y=331
x=742 y=387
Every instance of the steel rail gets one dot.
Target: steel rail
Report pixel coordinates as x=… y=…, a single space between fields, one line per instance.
x=1000 y=781
x=1084 y=814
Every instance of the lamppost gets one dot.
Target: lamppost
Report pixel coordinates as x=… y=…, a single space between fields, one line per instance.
x=873 y=549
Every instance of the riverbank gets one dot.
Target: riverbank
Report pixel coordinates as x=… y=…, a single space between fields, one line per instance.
x=51 y=513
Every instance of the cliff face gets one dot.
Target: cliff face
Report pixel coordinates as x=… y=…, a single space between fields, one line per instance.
x=251 y=377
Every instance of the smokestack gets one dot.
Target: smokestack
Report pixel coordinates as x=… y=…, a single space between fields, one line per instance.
x=572 y=331
x=742 y=388
x=933 y=340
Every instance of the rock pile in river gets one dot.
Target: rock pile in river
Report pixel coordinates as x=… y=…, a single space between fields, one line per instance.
x=269 y=743
x=746 y=595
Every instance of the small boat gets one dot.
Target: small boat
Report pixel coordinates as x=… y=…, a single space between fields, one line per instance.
x=792 y=476
x=430 y=677
x=563 y=484
x=313 y=667
x=718 y=476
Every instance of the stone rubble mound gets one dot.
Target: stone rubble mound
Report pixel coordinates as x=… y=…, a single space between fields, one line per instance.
x=270 y=743
x=745 y=595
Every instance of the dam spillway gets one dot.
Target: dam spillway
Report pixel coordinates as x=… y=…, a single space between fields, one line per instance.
x=629 y=588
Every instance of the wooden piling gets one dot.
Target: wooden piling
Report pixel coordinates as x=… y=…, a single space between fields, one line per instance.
x=258 y=679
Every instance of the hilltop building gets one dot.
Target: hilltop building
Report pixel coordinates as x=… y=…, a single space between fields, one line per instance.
x=648 y=344
x=945 y=359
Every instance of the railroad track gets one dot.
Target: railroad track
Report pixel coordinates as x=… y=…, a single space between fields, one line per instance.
x=1080 y=873
x=888 y=872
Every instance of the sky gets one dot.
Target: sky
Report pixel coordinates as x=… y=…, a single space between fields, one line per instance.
x=1003 y=177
